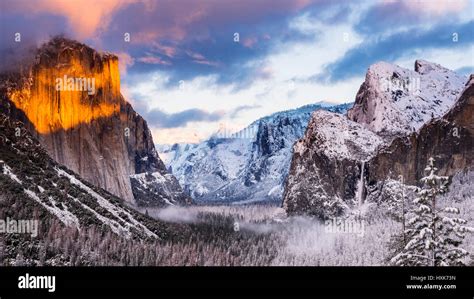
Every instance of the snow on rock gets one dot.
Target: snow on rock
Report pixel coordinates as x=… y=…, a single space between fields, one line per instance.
x=57 y=192
x=248 y=166
x=118 y=212
x=156 y=189
x=341 y=160
x=63 y=214
x=141 y=177
x=8 y=171
x=394 y=100
x=203 y=170
x=339 y=137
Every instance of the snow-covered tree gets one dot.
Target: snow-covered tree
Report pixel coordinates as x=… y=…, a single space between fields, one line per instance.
x=396 y=200
x=433 y=233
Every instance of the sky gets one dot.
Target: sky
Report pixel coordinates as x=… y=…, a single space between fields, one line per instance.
x=191 y=67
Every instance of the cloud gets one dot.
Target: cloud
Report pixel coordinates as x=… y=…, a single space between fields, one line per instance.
x=168 y=50
x=236 y=111
x=195 y=41
x=250 y=42
x=334 y=12
x=125 y=61
x=177 y=135
x=389 y=48
x=434 y=7
x=158 y=118
x=200 y=59
x=84 y=17
x=14 y=54
x=150 y=59
x=175 y=214
x=392 y=15
x=199 y=40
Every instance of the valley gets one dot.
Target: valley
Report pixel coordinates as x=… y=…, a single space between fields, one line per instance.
x=318 y=185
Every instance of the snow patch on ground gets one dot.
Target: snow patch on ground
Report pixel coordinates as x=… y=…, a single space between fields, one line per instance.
x=116 y=211
x=8 y=171
x=63 y=214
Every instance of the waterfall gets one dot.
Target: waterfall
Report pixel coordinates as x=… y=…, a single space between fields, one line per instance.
x=360 y=186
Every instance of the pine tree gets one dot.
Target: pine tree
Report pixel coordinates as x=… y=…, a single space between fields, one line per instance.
x=433 y=237
x=396 y=201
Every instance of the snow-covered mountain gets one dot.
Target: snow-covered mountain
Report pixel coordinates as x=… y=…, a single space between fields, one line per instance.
x=248 y=166
x=395 y=101
x=449 y=140
x=326 y=163
x=392 y=129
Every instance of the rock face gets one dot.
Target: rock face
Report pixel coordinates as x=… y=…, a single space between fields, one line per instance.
x=450 y=140
x=43 y=188
x=392 y=130
x=395 y=101
x=70 y=100
x=248 y=166
x=326 y=165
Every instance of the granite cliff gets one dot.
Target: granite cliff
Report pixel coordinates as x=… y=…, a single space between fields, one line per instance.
x=69 y=99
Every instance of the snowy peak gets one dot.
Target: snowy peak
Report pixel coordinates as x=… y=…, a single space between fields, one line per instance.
x=450 y=140
x=424 y=67
x=326 y=176
x=338 y=137
x=393 y=100
x=342 y=162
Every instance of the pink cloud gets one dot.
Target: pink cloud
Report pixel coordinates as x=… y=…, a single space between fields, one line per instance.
x=266 y=73
x=165 y=50
x=195 y=55
x=432 y=7
x=207 y=62
x=125 y=60
x=153 y=60
x=200 y=59
x=250 y=42
x=177 y=135
x=173 y=20
x=85 y=17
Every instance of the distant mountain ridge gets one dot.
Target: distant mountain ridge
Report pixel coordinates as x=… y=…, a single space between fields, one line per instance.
x=248 y=166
